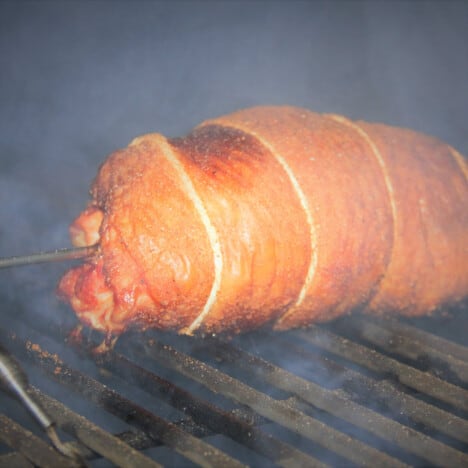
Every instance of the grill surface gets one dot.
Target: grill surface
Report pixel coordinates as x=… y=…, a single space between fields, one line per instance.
x=360 y=391
x=80 y=79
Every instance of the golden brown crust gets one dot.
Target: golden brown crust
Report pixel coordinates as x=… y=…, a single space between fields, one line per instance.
x=428 y=267
x=271 y=214
x=148 y=228
x=237 y=179
x=341 y=180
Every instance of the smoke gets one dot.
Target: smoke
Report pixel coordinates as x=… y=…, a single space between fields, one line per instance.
x=81 y=79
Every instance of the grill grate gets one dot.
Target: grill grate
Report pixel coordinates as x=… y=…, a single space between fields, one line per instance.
x=361 y=391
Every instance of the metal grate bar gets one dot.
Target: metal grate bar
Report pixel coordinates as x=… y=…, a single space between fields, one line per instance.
x=98 y=440
x=337 y=414
x=135 y=438
x=377 y=362
x=187 y=445
x=15 y=460
x=405 y=340
x=34 y=449
x=338 y=403
x=275 y=410
x=204 y=413
x=363 y=389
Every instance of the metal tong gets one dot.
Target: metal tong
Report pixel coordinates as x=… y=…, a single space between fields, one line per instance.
x=15 y=381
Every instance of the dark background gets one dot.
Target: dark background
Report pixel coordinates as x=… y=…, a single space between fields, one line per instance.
x=80 y=79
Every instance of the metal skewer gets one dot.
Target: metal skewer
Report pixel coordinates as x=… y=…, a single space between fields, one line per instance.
x=51 y=256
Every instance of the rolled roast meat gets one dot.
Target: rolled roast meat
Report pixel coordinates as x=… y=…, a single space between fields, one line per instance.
x=271 y=216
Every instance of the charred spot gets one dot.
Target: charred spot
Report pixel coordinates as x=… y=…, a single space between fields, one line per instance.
x=211 y=146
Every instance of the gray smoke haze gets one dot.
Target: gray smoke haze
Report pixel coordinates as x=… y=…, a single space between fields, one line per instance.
x=80 y=79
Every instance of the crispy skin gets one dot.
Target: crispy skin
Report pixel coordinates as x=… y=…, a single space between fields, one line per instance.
x=142 y=263
x=271 y=215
